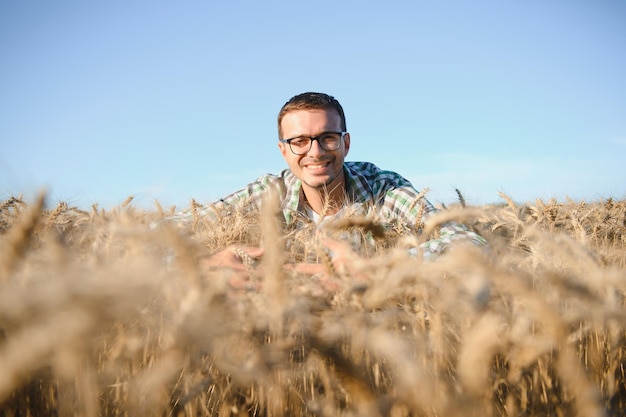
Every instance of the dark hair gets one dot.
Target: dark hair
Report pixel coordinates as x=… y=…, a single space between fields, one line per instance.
x=309 y=101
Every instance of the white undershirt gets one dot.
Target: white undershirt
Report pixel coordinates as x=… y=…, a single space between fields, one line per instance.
x=313 y=215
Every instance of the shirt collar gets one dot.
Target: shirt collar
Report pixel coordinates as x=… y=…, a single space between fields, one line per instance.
x=358 y=190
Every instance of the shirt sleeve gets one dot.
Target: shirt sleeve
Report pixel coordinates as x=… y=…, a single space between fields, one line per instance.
x=405 y=204
x=450 y=234
x=249 y=196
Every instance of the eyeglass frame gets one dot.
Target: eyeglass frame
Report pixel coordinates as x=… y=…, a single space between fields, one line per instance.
x=312 y=139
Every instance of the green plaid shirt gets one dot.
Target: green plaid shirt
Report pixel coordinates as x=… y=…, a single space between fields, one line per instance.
x=366 y=185
x=369 y=189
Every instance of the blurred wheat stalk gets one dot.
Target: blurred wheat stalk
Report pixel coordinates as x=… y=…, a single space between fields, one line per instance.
x=101 y=315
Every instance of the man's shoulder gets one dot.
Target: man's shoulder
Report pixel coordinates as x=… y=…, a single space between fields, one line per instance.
x=370 y=170
x=284 y=176
x=285 y=181
x=377 y=179
x=362 y=167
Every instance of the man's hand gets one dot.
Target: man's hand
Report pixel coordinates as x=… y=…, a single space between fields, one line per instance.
x=237 y=257
x=241 y=260
x=344 y=262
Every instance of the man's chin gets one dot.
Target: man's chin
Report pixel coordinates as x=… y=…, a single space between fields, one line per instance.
x=319 y=183
x=326 y=181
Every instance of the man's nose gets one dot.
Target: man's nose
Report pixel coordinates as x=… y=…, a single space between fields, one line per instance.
x=316 y=148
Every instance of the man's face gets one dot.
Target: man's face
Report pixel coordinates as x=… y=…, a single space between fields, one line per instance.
x=318 y=167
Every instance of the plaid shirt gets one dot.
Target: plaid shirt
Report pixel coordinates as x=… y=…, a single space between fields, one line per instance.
x=369 y=189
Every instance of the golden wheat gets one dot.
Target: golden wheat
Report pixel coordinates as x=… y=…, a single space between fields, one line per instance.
x=103 y=315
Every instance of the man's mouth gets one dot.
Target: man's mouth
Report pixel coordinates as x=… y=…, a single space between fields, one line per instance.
x=317 y=165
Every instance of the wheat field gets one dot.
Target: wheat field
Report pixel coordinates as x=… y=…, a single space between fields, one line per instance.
x=103 y=315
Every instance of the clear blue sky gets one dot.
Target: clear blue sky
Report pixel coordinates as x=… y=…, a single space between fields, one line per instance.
x=178 y=100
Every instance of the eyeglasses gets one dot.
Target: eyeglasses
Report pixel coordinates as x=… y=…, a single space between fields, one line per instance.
x=329 y=141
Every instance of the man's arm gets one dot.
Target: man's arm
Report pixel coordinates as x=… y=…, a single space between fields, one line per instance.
x=450 y=234
x=408 y=206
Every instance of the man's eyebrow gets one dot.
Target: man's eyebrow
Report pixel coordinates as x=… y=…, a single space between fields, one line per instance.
x=302 y=135
x=299 y=135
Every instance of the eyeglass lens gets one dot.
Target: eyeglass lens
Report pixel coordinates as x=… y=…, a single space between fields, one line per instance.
x=328 y=142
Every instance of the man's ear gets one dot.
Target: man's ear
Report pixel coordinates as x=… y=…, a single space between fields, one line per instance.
x=283 y=149
x=346 y=144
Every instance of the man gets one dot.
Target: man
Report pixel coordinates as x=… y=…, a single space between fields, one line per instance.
x=314 y=141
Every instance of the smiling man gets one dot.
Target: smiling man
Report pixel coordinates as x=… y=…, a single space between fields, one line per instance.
x=319 y=183
x=315 y=148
